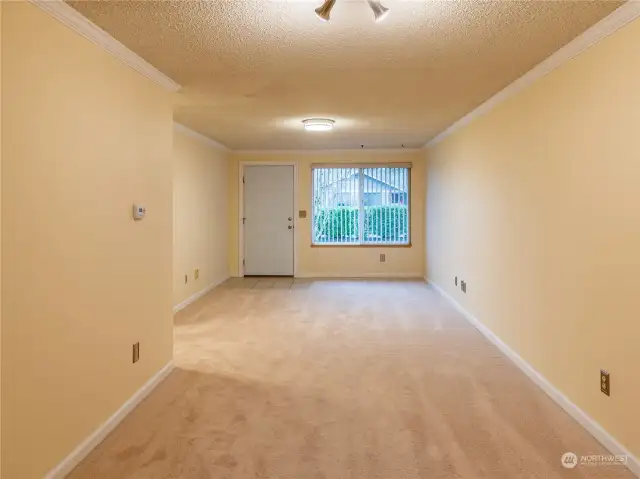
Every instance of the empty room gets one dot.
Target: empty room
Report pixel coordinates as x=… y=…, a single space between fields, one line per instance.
x=319 y=239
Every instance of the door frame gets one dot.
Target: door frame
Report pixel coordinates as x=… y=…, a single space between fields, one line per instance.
x=241 y=167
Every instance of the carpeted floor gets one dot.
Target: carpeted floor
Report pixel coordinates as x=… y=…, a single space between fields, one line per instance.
x=339 y=380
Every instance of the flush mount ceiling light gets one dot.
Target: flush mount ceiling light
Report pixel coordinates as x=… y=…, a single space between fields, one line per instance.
x=379 y=10
x=318 y=124
x=324 y=12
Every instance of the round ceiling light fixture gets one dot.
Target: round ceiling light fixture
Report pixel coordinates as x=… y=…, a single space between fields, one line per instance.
x=318 y=124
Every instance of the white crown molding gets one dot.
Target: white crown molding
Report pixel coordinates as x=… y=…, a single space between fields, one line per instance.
x=586 y=421
x=83 y=26
x=324 y=152
x=617 y=19
x=199 y=136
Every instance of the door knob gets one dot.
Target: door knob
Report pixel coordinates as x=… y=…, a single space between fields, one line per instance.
x=290 y=218
x=290 y=227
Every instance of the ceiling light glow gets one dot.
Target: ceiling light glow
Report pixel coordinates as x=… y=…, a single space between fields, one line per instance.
x=318 y=124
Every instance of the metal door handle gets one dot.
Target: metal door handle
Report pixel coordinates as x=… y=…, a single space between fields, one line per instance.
x=290 y=227
x=290 y=218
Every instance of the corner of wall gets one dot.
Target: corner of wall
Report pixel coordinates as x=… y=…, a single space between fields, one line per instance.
x=425 y=159
x=70 y=305
x=201 y=210
x=516 y=218
x=1 y=5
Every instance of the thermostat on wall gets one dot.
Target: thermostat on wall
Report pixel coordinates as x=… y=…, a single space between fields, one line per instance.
x=138 y=212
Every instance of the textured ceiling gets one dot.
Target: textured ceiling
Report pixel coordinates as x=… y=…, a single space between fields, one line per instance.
x=253 y=69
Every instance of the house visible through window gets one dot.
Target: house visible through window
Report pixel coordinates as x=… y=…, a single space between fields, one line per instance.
x=354 y=206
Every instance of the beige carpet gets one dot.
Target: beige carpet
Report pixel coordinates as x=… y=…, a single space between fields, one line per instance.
x=338 y=380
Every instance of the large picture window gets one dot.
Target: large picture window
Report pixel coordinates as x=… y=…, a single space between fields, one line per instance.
x=360 y=206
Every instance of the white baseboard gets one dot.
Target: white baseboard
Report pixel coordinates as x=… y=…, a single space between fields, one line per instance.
x=89 y=444
x=595 y=429
x=361 y=276
x=198 y=295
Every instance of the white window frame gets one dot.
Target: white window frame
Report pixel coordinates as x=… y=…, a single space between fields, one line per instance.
x=361 y=243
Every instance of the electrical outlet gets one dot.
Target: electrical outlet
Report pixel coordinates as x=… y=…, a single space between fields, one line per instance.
x=136 y=352
x=455 y=281
x=463 y=286
x=186 y=279
x=196 y=273
x=383 y=258
x=605 y=382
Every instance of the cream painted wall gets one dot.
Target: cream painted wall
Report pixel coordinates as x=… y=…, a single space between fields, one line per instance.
x=1 y=4
x=338 y=261
x=84 y=136
x=201 y=210
x=535 y=205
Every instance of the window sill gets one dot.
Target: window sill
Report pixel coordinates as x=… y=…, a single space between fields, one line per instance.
x=361 y=245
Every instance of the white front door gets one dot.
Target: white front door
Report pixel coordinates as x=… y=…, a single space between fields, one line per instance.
x=268 y=223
